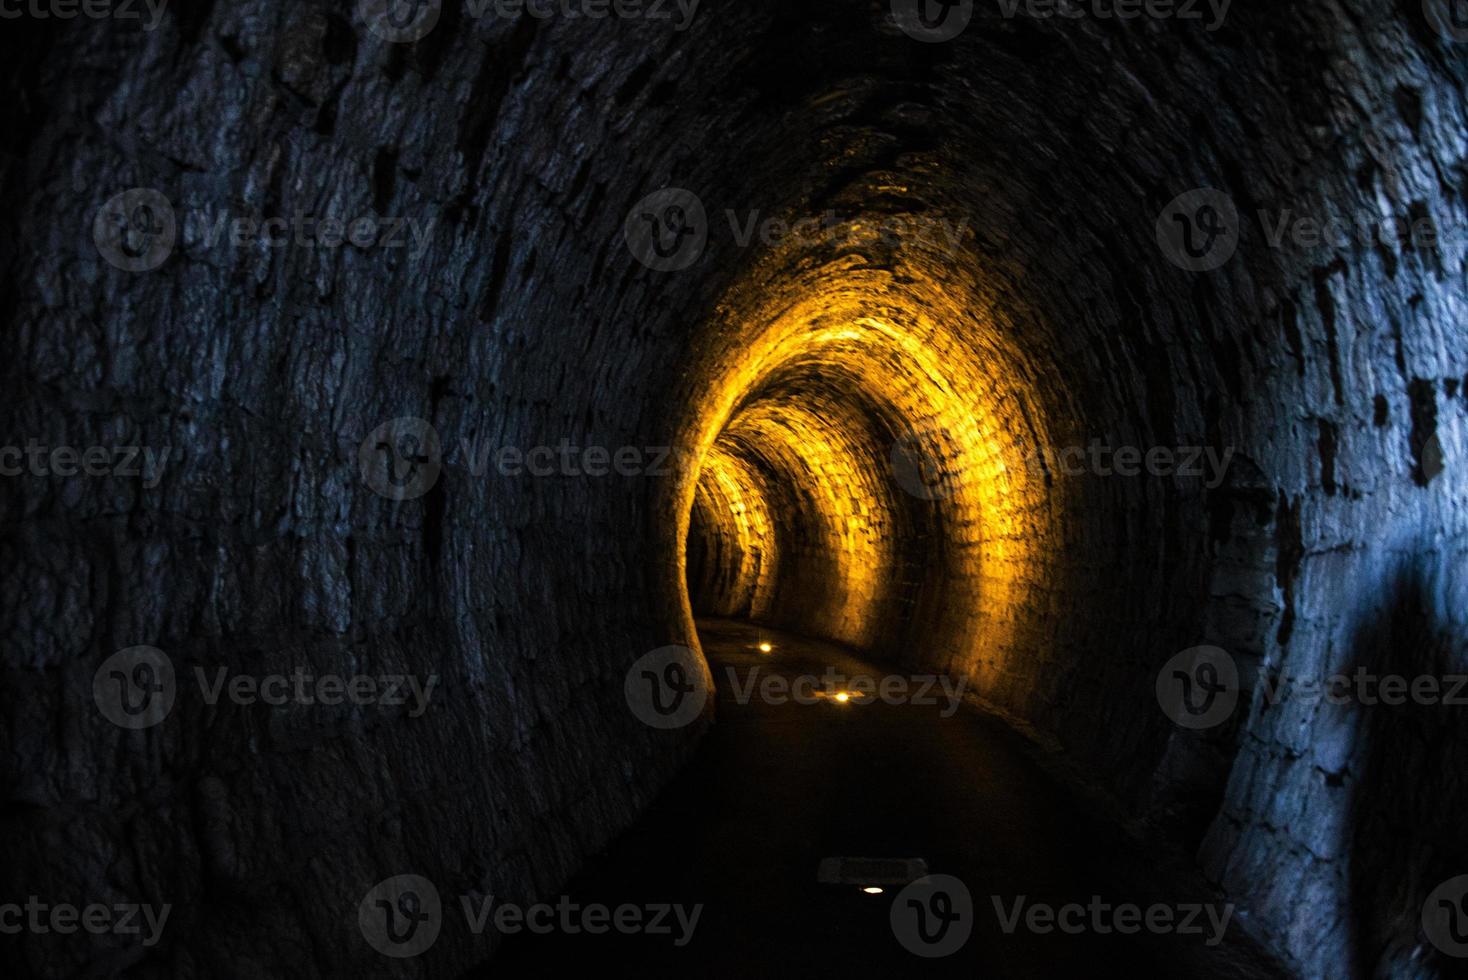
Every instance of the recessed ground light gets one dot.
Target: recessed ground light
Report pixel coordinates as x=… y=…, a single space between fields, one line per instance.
x=871 y=875
x=765 y=648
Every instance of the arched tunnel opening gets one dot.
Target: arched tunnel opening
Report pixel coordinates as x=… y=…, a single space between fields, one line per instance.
x=825 y=487
x=852 y=484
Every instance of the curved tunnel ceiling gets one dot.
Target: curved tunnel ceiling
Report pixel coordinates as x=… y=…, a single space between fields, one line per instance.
x=869 y=402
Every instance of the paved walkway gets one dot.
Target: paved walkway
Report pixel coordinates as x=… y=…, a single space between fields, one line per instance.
x=774 y=789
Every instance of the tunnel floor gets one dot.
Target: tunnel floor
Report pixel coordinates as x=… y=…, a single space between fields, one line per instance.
x=775 y=788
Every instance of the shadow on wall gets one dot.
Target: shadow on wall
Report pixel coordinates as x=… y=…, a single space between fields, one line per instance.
x=1408 y=834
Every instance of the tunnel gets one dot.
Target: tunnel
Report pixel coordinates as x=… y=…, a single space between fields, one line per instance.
x=431 y=424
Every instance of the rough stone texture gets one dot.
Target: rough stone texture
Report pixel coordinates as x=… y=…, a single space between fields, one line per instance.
x=1336 y=373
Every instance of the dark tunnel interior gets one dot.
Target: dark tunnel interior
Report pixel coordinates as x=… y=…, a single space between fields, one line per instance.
x=445 y=435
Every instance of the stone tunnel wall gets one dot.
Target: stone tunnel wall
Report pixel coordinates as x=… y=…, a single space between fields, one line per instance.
x=520 y=322
x=1339 y=545
x=1337 y=375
